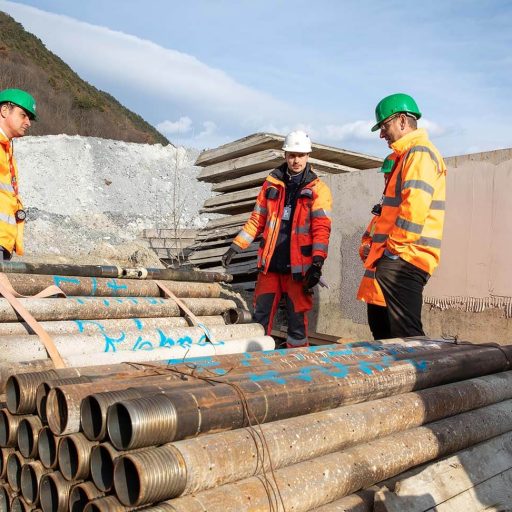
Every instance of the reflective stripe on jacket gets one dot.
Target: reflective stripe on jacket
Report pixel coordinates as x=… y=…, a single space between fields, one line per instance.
x=11 y=232
x=311 y=225
x=413 y=206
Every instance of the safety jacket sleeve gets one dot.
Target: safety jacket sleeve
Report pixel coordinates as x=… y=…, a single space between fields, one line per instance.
x=255 y=224
x=420 y=177
x=366 y=240
x=321 y=219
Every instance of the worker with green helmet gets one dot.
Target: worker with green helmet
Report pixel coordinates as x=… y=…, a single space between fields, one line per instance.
x=404 y=236
x=17 y=110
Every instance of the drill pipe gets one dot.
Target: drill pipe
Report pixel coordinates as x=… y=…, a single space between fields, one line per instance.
x=15 y=462
x=177 y=353
x=18 y=504
x=9 y=428
x=44 y=388
x=28 y=432
x=47 y=447
x=31 y=474
x=106 y=504
x=95 y=326
x=4 y=453
x=93 y=308
x=237 y=316
x=305 y=486
x=93 y=410
x=176 y=415
x=29 y=347
x=166 y=274
x=103 y=457
x=361 y=501
x=74 y=455
x=31 y=284
x=54 y=492
x=22 y=384
x=81 y=494
x=204 y=462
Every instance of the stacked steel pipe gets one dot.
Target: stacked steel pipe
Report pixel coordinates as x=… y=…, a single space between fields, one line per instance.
x=300 y=429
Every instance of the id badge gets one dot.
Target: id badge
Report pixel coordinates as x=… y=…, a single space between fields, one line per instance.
x=287 y=211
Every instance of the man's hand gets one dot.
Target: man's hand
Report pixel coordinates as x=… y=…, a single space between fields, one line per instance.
x=364 y=250
x=227 y=257
x=313 y=274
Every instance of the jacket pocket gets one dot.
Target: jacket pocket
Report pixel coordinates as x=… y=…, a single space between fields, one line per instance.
x=272 y=193
x=306 y=250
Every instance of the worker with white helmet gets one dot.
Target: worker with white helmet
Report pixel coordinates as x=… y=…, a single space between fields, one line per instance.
x=17 y=110
x=293 y=216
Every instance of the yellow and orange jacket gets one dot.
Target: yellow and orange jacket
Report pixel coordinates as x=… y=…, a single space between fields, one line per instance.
x=413 y=206
x=311 y=224
x=11 y=232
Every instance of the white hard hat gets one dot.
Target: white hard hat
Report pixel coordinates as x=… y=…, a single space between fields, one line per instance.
x=297 y=142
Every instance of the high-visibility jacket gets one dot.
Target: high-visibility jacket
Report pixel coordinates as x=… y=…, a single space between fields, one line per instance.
x=411 y=221
x=11 y=232
x=311 y=224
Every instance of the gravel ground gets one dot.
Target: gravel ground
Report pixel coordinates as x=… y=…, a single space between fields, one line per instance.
x=88 y=199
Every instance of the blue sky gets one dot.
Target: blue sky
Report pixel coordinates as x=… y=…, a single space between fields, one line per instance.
x=209 y=71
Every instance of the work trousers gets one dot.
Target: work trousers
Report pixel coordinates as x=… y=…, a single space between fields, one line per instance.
x=5 y=255
x=402 y=286
x=270 y=287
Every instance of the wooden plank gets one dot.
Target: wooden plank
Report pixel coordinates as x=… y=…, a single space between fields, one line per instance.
x=262 y=161
x=240 y=207
x=241 y=183
x=262 y=141
x=227 y=221
x=232 y=197
x=426 y=487
x=214 y=234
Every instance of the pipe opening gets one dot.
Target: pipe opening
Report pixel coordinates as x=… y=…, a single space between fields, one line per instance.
x=91 y=418
x=68 y=458
x=78 y=499
x=47 y=448
x=57 y=410
x=48 y=493
x=29 y=484
x=5 y=498
x=41 y=399
x=126 y=481
x=13 y=394
x=102 y=468
x=18 y=505
x=25 y=438
x=14 y=471
x=119 y=424
x=4 y=428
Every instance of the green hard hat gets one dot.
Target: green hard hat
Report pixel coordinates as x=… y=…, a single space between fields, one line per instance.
x=393 y=105
x=21 y=98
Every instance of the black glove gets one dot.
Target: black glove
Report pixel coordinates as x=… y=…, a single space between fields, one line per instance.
x=313 y=274
x=227 y=257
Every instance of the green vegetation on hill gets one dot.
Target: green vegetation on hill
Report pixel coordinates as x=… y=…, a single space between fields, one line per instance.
x=65 y=102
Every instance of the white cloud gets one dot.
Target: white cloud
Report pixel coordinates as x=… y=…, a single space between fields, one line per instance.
x=354 y=130
x=433 y=128
x=182 y=125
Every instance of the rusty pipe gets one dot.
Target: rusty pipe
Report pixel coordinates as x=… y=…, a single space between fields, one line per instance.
x=93 y=308
x=304 y=486
x=160 y=418
x=237 y=316
x=9 y=424
x=31 y=284
x=81 y=494
x=15 y=462
x=44 y=388
x=103 y=457
x=47 y=447
x=74 y=455
x=31 y=474
x=18 y=504
x=54 y=492
x=106 y=504
x=28 y=433
x=193 y=465
x=6 y=497
x=4 y=454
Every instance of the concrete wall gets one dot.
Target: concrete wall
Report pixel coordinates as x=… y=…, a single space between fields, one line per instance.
x=470 y=294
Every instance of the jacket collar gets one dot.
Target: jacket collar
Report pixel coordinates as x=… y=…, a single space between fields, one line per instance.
x=413 y=138
x=4 y=141
x=279 y=174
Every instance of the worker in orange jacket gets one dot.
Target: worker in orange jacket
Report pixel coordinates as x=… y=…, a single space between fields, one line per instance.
x=293 y=215
x=17 y=110
x=407 y=229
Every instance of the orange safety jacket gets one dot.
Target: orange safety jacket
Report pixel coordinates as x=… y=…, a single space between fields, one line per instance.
x=311 y=224
x=413 y=205
x=11 y=231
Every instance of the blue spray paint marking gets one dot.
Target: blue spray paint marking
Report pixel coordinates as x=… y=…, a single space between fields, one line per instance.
x=141 y=344
x=114 y=285
x=58 y=280
x=272 y=376
x=106 y=302
x=80 y=301
x=133 y=300
x=94 y=283
x=138 y=323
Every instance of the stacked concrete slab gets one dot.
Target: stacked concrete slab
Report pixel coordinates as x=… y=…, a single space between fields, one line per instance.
x=237 y=171
x=170 y=245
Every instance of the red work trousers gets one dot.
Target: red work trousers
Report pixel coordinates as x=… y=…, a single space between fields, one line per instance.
x=269 y=289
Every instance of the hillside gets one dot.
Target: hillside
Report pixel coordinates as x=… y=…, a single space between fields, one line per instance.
x=66 y=103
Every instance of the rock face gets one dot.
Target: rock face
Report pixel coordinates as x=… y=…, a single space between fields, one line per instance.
x=88 y=199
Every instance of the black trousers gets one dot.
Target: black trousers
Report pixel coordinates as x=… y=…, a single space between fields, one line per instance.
x=402 y=286
x=5 y=255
